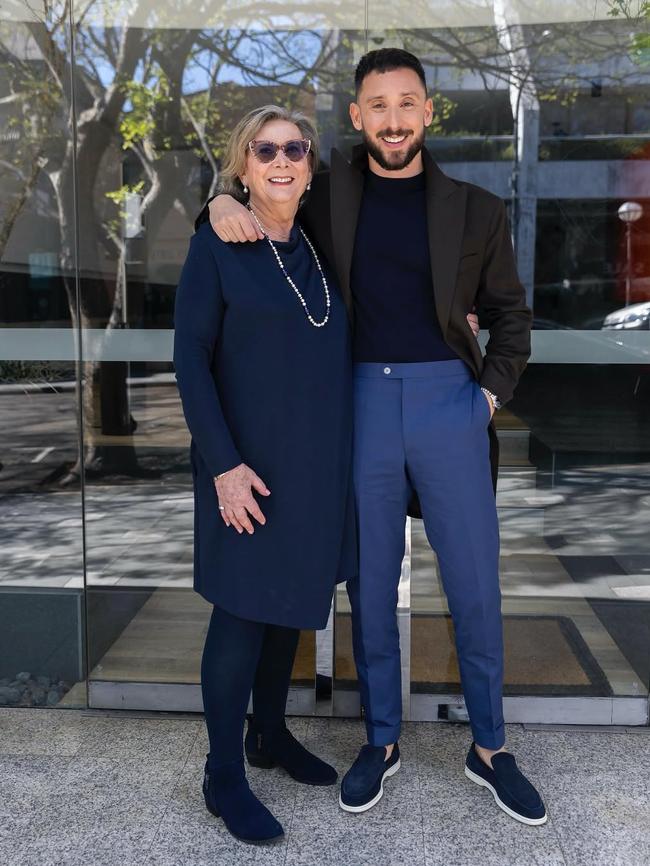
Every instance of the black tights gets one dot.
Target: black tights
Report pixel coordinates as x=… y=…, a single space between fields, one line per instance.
x=240 y=655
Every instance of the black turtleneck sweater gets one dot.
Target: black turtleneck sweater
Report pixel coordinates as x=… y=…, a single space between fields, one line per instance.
x=395 y=316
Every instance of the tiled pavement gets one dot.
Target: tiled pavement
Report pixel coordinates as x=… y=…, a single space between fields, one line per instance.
x=119 y=789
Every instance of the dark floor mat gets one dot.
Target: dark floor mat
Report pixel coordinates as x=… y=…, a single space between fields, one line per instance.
x=544 y=655
x=628 y=622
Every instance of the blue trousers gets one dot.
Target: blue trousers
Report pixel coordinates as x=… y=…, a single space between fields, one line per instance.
x=423 y=426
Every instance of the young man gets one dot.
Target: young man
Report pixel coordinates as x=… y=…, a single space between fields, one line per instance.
x=415 y=252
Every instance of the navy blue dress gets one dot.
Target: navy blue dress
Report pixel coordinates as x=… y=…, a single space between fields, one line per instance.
x=260 y=385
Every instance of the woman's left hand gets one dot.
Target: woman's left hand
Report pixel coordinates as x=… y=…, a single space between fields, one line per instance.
x=236 y=501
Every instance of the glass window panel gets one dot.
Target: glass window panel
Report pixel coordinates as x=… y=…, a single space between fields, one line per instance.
x=547 y=107
x=149 y=153
x=42 y=653
x=544 y=103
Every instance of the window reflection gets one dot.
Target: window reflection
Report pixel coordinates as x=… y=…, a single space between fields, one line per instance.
x=544 y=108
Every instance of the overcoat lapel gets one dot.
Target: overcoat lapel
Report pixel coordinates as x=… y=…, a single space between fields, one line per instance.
x=346 y=192
x=445 y=222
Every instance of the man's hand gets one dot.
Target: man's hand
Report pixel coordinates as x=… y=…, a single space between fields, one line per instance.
x=232 y=221
x=472 y=319
x=236 y=500
x=490 y=403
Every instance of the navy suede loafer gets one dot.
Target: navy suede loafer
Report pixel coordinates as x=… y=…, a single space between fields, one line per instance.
x=228 y=796
x=510 y=788
x=282 y=749
x=363 y=784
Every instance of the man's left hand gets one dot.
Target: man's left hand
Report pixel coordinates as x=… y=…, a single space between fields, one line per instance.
x=490 y=403
x=472 y=319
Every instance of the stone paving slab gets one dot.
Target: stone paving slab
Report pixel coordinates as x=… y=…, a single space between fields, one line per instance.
x=122 y=789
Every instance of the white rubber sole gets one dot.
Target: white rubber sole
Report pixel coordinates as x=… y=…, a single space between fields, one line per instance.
x=479 y=780
x=389 y=772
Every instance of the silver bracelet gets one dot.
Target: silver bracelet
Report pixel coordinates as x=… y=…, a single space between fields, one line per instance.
x=217 y=477
x=493 y=397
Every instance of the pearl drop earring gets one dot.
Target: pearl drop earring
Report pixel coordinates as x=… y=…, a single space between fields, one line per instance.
x=245 y=188
x=309 y=185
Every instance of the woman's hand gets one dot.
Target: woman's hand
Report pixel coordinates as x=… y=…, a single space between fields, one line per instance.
x=231 y=221
x=236 y=500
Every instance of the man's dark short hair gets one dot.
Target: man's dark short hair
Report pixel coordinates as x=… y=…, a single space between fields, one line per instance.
x=387 y=60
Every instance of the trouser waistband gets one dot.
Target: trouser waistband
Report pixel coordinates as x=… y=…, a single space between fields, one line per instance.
x=454 y=368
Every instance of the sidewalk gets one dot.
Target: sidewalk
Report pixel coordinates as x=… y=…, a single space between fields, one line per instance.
x=100 y=789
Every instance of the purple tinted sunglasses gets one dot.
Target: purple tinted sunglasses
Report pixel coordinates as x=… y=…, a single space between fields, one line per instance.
x=294 y=150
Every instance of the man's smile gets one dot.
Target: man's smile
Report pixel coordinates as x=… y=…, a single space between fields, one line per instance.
x=394 y=142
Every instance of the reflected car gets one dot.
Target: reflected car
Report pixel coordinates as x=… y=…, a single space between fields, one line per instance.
x=635 y=317
x=549 y=325
x=592 y=324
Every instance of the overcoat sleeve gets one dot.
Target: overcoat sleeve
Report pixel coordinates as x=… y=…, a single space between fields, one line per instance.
x=310 y=212
x=198 y=318
x=204 y=214
x=501 y=304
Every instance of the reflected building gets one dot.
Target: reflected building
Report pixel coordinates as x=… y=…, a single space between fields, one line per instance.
x=112 y=127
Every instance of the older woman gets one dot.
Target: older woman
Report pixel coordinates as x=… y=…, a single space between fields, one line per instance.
x=262 y=361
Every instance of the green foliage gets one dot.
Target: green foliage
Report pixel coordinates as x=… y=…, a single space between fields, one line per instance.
x=443 y=108
x=630 y=9
x=119 y=195
x=565 y=97
x=139 y=122
x=637 y=12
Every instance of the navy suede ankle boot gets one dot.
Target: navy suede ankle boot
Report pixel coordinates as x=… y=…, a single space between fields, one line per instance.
x=228 y=796
x=280 y=748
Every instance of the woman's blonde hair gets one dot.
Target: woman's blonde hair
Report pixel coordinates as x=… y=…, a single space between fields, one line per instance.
x=234 y=162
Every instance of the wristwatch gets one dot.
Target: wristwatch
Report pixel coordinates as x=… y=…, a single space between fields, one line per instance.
x=495 y=400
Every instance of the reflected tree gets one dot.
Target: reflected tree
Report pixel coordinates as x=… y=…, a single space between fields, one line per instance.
x=143 y=98
x=118 y=123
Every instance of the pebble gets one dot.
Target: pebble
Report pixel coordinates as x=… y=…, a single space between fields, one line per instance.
x=27 y=691
x=9 y=694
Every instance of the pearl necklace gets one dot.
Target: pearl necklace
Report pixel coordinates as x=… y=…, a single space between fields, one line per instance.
x=288 y=278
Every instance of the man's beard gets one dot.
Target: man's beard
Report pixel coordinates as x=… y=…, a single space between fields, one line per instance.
x=397 y=160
